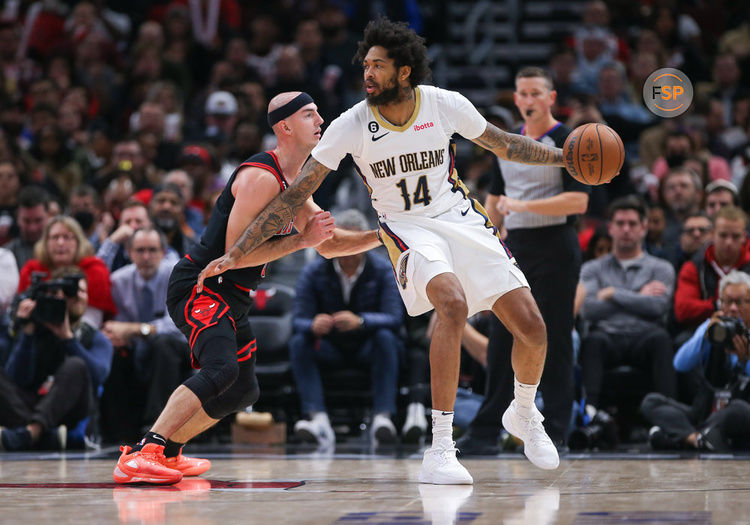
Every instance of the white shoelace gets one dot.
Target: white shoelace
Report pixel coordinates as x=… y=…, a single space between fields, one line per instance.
x=535 y=431
x=448 y=454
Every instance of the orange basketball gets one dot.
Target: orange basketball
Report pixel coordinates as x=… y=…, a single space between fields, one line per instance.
x=593 y=153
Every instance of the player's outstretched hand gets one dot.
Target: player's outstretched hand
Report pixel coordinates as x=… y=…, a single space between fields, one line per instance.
x=215 y=267
x=319 y=228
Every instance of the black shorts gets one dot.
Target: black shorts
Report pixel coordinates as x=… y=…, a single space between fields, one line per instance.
x=200 y=314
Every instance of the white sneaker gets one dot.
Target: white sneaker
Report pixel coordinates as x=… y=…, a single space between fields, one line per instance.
x=537 y=445
x=415 y=425
x=440 y=466
x=382 y=430
x=317 y=430
x=442 y=502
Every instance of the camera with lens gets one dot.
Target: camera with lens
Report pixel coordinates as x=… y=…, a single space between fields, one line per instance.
x=49 y=308
x=723 y=331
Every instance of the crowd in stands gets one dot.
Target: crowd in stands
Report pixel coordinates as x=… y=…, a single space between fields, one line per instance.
x=120 y=123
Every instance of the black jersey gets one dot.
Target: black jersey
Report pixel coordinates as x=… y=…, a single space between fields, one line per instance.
x=212 y=243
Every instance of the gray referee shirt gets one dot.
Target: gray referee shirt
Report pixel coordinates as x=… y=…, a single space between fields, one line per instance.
x=525 y=183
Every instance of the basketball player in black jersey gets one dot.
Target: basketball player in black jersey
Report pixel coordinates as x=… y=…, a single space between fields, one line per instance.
x=214 y=319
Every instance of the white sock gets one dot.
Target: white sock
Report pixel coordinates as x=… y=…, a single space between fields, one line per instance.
x=524 y=395
x=442 y=427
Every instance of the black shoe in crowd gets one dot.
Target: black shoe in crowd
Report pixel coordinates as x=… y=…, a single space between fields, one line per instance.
x=12 y=439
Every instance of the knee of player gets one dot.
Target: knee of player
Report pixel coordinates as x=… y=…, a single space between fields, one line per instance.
x=230 y=371
x=222 y=376
x=534 y=331
x=452 y=310
x=250 y=395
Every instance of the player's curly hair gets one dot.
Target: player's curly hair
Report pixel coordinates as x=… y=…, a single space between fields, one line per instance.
x=404 y=46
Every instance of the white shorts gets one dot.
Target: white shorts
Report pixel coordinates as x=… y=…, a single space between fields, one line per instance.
x=461 y=241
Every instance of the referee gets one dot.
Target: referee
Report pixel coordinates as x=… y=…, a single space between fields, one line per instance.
x=537 y=205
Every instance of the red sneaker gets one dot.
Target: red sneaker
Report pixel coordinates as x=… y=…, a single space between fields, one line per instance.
x=144 y=466
x=188 y=466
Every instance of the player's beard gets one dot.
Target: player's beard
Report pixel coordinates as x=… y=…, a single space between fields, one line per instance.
x=387 y=96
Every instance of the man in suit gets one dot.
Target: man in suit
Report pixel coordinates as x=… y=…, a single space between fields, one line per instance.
x=347 y=312
x=142 y=325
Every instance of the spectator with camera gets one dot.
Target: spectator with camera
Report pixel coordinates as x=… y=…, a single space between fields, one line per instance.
x=63 y=244
x=347 y=312
x=626 y=303
x=56 y=364
x=715 y=359
x=698 y=280
x=142 y=326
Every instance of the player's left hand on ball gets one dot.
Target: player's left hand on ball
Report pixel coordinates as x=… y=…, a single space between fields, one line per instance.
x=318 y=229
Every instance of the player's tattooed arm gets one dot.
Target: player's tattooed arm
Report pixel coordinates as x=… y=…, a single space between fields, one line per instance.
x=280 y=210
x=275 y=216
x=518 y=148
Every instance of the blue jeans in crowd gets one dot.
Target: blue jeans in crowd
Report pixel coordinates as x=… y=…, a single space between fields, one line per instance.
x=380 y=353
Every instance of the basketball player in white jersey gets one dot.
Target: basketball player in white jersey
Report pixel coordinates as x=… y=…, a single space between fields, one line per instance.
x=446 y=253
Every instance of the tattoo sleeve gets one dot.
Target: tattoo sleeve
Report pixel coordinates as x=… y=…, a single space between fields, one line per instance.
x=282 y=208
x=518 y=148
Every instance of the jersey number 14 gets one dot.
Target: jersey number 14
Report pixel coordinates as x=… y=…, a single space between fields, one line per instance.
x=421 y=193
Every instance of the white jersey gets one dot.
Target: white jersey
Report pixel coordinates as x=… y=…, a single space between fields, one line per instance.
x=409 y=170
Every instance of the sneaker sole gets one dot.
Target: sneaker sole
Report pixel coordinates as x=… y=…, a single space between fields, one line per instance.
x=194 y=471
x=514 y=432
x=436 y=480
x=191 y=473
x=123 y=478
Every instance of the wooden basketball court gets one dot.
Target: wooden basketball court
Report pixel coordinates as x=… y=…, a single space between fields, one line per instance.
x=255 y=486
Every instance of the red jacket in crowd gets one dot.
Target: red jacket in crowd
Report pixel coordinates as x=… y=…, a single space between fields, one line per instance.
x=698 y=285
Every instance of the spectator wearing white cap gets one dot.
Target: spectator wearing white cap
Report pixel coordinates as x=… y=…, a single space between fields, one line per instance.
x=221 y=118
x=720 y=193
x=221 y=114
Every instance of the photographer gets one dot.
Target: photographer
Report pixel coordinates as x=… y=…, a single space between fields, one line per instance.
x=57 y=361
x=716 y=359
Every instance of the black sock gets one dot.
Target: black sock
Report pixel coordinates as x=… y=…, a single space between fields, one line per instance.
x=150 y=437
x=172 y=448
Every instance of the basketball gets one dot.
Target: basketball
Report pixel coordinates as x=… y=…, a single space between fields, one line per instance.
x=593 y=154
